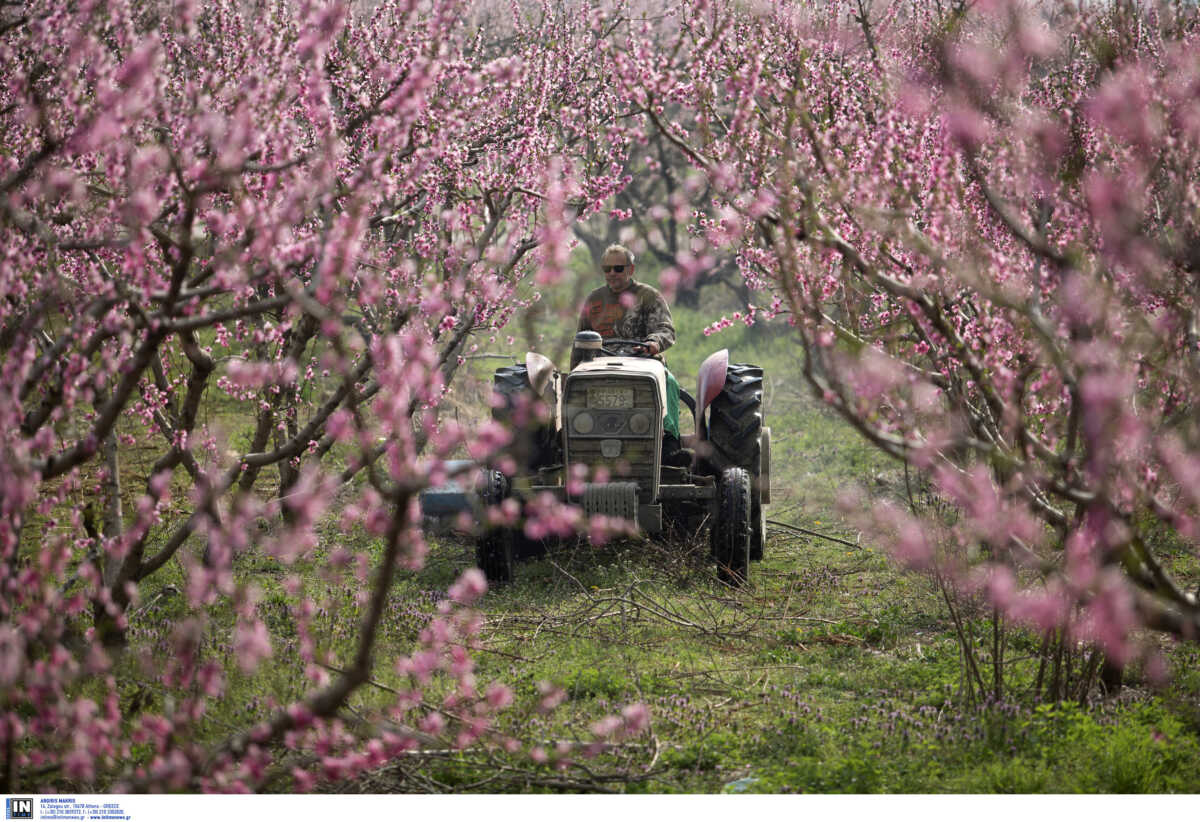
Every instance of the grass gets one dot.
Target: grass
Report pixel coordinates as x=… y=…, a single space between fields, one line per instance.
x=832 y=671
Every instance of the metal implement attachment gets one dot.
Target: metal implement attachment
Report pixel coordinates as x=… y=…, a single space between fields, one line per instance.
x=650 y=519
x=456 y=494
x=686 y=491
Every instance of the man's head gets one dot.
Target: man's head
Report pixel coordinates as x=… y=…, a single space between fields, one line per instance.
x=617 y=265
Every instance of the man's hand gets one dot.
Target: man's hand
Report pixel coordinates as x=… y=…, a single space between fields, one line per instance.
x=651 y=347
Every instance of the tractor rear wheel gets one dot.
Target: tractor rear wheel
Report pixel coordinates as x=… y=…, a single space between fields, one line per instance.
x=736 y=420
x=760 y=495
x=732 y=528
x=737 y=439
x=494 y=547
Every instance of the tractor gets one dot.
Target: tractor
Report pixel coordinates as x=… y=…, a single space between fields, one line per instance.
x=607 y=414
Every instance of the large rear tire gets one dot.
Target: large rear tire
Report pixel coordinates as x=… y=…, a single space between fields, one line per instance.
x=736 y=420
x=737 y=439
x=732 y=528
x=494 y=547
x=760 y=495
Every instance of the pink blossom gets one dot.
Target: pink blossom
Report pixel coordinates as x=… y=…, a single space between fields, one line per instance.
x=636 y=718
x=303 y=781
x=498 y=696
x=967 y=126
x=251 y=644
x=12 y=653
x=1001 y=588
x=289 y=218
x=978 y=62
x=1035 y=38
x=606 y=727
x=432 y=723
x=1044 y=610
x=1110 y=619
x=469 y=587
x=551 y=696
x=911 y=545
x=1121 y=105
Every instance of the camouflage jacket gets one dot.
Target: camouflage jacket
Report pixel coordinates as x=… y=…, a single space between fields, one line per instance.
x=647 y=317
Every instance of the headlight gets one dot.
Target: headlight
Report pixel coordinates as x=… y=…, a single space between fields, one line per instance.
x=639 y=423
x=584 y=422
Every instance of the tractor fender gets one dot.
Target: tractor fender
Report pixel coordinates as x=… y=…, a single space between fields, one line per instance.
x=710 y=382
x=540 y=370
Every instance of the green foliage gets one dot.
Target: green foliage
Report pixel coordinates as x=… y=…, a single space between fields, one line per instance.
x=590 y=682
x=856 y=773
x=1016 y=775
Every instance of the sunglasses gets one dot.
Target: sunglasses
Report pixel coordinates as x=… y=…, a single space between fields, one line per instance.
x=620 y=269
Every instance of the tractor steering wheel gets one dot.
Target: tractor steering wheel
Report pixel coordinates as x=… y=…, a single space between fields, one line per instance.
x=638 y=346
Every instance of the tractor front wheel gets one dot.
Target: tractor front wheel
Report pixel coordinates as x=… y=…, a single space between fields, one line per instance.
x=732 y=528
x=494 y=546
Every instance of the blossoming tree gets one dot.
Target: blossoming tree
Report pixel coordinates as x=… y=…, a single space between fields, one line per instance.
x=981 y=221
x=299 y=213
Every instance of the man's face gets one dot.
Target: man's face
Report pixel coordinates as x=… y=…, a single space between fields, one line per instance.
x=618 y=280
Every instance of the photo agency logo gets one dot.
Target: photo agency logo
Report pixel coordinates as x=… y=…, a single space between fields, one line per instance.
x=18 y=808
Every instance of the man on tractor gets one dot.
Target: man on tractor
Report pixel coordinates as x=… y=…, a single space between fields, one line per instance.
x=604 y=418
x=625 y=308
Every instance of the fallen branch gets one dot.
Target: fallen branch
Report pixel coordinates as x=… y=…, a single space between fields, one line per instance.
x=797 y=529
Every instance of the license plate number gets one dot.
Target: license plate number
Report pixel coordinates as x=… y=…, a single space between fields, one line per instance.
x=603 y=397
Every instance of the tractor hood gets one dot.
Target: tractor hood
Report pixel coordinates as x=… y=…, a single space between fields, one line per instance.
x=614 y=366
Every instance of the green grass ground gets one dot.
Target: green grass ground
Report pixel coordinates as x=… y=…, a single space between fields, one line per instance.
x=832 y=671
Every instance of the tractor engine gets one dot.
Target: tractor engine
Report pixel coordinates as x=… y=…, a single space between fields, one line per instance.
x=613 y=420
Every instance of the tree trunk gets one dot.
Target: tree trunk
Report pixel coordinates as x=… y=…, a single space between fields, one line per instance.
x=1111 y=676
x=109 y=633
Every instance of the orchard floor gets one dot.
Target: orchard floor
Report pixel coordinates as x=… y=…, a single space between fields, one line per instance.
x=833 y=670
x=830 y=672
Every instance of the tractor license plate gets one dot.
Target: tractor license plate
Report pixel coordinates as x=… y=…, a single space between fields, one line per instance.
x=609 y=397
